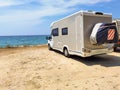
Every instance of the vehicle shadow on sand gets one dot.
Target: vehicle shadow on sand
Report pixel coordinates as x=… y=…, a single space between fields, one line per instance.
x=103 y=60
x=118 y=50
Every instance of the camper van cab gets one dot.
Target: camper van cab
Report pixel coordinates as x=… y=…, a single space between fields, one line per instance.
x=84 y=34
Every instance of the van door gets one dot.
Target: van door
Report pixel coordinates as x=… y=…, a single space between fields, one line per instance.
x=50 y=41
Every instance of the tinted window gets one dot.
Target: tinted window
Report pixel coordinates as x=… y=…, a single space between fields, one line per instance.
x=55 y=32
x=64 y=31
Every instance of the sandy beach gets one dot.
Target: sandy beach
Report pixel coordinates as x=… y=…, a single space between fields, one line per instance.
x=37 y=68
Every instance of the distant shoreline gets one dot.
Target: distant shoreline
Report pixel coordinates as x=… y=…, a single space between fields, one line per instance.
x=22 y=46
x=22 y=41
x=21 y=35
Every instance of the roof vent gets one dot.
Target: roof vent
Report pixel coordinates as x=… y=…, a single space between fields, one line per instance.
x=99 y=13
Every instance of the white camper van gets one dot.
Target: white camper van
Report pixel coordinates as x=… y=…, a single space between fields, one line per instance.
x=77 y=34
x=117 y=21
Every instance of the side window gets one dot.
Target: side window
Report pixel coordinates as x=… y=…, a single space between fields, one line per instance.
x=65 y=31
x=55 y=32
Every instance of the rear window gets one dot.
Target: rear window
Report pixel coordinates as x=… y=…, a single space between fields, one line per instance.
x=65 y=31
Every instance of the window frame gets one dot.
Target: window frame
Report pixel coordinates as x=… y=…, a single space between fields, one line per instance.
x=55 y=32
x=65 y=31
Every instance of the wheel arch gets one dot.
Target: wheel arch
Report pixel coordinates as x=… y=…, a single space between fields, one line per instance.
x=65 y=47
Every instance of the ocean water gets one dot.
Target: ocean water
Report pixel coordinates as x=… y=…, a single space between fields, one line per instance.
x=17 y=41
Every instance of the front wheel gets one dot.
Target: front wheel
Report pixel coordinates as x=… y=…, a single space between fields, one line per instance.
x=49 y=47
x=115 y=48
x=66 y=53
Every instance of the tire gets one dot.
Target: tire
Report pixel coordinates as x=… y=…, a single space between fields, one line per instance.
x=49 y=47
x=66 y=53
x=115 y=48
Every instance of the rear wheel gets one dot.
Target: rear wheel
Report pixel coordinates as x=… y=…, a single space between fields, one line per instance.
x=66 y=53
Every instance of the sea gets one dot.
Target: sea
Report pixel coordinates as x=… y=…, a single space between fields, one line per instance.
x=21 y=41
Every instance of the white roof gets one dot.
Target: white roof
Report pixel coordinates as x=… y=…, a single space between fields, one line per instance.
x=82 y=12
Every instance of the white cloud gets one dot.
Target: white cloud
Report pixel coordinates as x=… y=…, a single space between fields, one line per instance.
x=8 y=3
x=58 y=3
x=30 y=14
x=46 y=8
x=22 y=16
x=69 y=3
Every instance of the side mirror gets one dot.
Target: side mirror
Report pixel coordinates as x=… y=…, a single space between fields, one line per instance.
x=48 y=37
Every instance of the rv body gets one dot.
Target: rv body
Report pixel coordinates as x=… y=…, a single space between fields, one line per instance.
x=71 y=35
x=116 y=45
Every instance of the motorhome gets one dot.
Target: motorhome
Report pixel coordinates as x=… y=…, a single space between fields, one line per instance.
x=116 y=45
x=84 y=34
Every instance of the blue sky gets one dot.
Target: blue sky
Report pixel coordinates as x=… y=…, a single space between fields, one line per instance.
x=33 y=17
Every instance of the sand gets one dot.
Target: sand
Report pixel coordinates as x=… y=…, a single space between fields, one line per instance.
x=37 y=68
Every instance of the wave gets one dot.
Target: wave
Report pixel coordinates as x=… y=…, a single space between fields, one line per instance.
x=22 y=41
